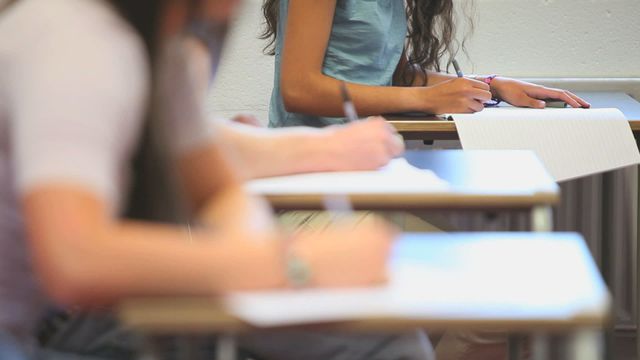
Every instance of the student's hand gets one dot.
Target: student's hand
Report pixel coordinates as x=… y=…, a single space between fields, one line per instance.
x=347 y=254
x=362 y=145
x=524 y=94
x=460 y=95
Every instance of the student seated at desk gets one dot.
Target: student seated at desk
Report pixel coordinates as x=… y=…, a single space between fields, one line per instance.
x=389 y=53
x=76 y=133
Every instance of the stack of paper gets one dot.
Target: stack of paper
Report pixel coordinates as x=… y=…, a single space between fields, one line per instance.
x=570 y=142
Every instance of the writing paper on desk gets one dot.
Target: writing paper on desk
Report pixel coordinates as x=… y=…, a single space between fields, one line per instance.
x=398 y=177
x=571 y=143
x=447 y=278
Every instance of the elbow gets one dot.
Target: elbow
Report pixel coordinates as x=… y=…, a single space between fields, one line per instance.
x=65 y=283
x=293 y=100
x=297 y=94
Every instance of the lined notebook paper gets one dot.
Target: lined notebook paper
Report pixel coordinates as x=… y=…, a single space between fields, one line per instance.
x=571 y=143
x=398 y=177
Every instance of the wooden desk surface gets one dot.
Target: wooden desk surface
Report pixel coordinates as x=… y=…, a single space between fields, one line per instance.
x=552 y=284
x=432 y=128
x=478 y=179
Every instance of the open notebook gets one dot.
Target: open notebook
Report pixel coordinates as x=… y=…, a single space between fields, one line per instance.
x=398 y=177
x=571 y=143
x=451 y=276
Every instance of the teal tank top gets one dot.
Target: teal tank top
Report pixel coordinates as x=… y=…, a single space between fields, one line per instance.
x=365 y=45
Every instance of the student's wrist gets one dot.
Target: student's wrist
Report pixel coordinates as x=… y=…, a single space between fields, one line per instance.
x=421 y=100
x=494 y=82
x=325 y=149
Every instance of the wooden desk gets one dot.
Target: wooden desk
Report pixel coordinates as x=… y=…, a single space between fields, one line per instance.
x=430 y=128
x=565 y=295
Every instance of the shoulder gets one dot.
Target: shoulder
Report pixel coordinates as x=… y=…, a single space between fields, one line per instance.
x=79 y=39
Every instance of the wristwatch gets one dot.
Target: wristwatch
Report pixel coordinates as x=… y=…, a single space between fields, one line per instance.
x=297 y=270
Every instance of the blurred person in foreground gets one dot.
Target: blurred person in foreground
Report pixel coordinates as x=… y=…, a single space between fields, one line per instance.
x=95 y=194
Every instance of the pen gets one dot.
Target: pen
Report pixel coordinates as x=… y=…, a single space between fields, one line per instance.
x=457 y=67
x=339 y=205
x=493 y=102
x=347 y=103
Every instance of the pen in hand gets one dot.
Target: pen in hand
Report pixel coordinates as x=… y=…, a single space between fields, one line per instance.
x=339 y=206
x=350 y=109
x=456 y=66
x=347 y=103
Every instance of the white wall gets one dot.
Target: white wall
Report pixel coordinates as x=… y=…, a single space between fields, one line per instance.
x=524 y=38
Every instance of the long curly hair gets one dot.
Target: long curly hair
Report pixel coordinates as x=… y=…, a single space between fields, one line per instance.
x=431 y=34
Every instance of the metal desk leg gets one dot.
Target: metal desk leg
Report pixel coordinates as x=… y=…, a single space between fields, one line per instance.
x=540 y=347
x=514 y=347
x=586 y=345
x=226 y=349
x=542 y=219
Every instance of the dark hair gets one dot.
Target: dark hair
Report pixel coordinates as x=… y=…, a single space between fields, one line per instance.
x=430 y=34
x=154 y=194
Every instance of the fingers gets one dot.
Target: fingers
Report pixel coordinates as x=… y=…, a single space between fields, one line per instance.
x=564 y=96
x=583 y=103
x=548 y=93
x=476 y=106
x=534 y=103
x=481 y=95
x=393 y=141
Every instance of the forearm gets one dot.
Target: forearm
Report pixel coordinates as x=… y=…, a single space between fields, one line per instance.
x=438 y=77
x=320 y=95
x=275 y=152
x=85 y=258
x=135 y=259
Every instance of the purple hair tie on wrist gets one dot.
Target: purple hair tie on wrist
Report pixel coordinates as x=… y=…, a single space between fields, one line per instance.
x=495 y=101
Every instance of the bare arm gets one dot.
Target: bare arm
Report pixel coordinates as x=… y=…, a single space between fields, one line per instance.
x=364 y=145
x=265 y=152
x=86 y=259
x=306 y=89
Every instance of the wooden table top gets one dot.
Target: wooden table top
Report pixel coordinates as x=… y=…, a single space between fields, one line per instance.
x=432 y=128
x=478 y=180
x=552 y=284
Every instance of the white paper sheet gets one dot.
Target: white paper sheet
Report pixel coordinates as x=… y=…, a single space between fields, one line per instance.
x=398 y=177
x=571 y=143
x=469 y=282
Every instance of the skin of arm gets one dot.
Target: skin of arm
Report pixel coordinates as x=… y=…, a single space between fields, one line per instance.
x=84 y=256
x=87 y=260
x=515 y=92
x=305 y=89
x=365 y=145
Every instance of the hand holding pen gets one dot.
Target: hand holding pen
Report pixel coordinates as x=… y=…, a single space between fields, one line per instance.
x=523 y=94
x=397 y=146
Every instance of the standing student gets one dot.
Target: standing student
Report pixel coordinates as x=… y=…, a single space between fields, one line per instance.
x=388 y=52
x=79 y=144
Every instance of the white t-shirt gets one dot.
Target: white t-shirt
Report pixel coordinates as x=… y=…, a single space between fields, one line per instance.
x=73 y=87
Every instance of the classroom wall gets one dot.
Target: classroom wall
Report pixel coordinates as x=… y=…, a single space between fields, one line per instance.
x=523 y=38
